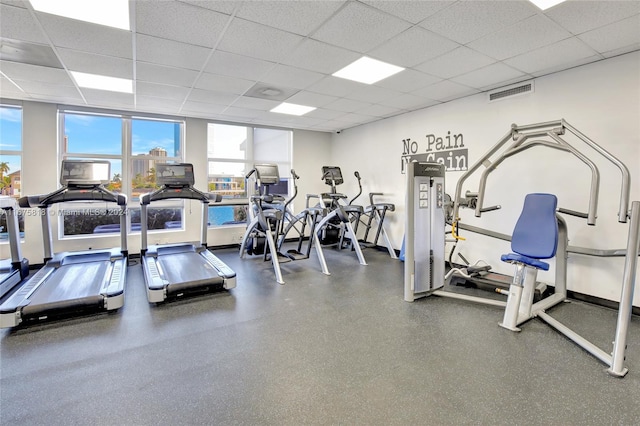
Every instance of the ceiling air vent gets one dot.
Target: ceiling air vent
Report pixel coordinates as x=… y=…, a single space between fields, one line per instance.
x=507 y=92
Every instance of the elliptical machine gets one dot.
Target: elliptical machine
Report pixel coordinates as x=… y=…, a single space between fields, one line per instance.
x=375 y=211
x=336 y=228
x=266 y=231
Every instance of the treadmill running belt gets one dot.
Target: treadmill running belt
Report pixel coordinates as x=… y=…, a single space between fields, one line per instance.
x=72 y=282
x=187 y=267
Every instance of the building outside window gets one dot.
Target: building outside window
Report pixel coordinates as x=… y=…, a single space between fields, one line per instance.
x=10 y=160
x=133 y=146
x=232 y=151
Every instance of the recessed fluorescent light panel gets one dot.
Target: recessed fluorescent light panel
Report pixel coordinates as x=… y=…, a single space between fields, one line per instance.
x=293 y=109
x=113 y=13
x=102 y=82
x=546 y=4
x=367 y=70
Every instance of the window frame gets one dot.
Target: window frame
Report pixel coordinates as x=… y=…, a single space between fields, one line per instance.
x=126 y=159
x=15 y=153
x=248 y=162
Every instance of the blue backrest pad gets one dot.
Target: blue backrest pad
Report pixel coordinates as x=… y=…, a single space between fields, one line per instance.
x=536 y=232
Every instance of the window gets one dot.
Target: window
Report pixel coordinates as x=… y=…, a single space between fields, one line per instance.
x=232 y=150
x=133 y=146
x=10 y=160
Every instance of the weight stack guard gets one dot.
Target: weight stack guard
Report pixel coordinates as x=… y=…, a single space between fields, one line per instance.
x=424 y=266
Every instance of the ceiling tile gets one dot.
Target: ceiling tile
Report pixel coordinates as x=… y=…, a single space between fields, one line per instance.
x=225 y=63
x=180 y=21
x=352 y=28
x=300 y=17
x=445 y=91
x=270 y=92
x=10 y=90
x=407 y=101
x=223 y=83
x=372 y=94
x=321 y=57
x=224 y=6
x=412 y=47
x=153 y=73
x=202 y=107
x=625 y=33
x=459 y=61
x=380 y=111
x=211 y=97
x=347 y=105
x=297 y=78
x=311 y=99
x=552 y=56
x=16 y=3
x=335 y=86
x=255 y=103
x=335 y=125
x=110 y=99
x=18 y=71
x=258 y=41
x=40 y=88
x=488 y=76
x=466 y=21
x=581 y=16
x=167 y=52
x=158 y=104
x=305 y=122
x=91 y=63
x=407 y=81
x=17 y=23
x=27 y=52
x=87 y=37
x=357 y=118
x=325 y=114
x=413 y=11
x=162 y=91
x=519 y=38
x=242 y=113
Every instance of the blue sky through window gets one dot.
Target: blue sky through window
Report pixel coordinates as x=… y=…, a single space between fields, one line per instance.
x=11 y=136
x=92 y=134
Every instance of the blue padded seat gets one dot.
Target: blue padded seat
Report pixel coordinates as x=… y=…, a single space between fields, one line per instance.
x=536 y=233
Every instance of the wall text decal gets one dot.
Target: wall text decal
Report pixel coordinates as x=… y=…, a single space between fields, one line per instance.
x=448 y=150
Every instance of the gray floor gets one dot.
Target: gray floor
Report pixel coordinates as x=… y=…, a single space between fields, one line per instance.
x=344 y=349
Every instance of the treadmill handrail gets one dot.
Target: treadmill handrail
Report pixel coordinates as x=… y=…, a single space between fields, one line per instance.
x=79 y=193
x=167 y=192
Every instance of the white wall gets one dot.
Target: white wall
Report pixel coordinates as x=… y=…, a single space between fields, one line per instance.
x=40 y=175
x=602 y=100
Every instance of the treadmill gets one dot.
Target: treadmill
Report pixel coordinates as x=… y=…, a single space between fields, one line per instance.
x=171 y=270
x=16 y=268
x=71 y=282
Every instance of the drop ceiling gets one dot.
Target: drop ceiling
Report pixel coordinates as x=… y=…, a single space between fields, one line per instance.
x=236 y=60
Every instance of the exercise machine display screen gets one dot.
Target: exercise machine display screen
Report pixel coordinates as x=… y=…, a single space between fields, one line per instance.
x=268 y=173
x=85 y=172
x=175 y=174
x=332 y=175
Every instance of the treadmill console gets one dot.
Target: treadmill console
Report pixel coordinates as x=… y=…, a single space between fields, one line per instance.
x=85 y=172
x=179 y=174
x=332 y=175
x=267 y=173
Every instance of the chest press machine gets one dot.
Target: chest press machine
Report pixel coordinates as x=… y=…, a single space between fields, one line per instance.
x=540 y=234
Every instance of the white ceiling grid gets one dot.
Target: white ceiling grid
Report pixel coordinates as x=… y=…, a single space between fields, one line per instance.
x=221 y=60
